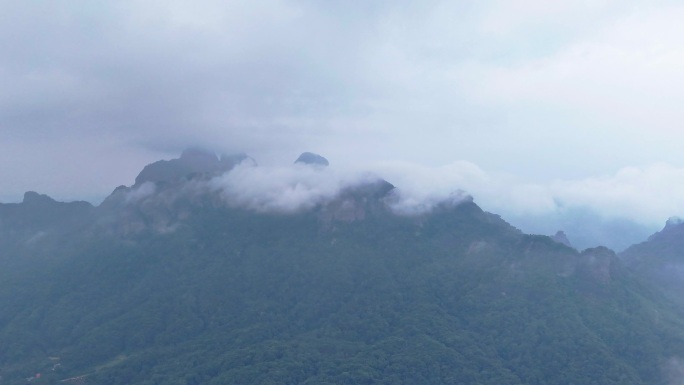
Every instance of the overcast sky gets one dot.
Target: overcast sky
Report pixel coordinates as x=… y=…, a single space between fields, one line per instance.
x=530 y=105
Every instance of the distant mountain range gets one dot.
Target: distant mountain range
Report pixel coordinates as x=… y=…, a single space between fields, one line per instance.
x=584 y=227
x=176 y=281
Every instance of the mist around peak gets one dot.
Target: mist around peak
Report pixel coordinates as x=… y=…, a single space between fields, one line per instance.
x=310 y=182
x=241 y=182
x=284 y=189
x=615 y=210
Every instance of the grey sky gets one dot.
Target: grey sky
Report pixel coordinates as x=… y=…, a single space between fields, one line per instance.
x=530 y=105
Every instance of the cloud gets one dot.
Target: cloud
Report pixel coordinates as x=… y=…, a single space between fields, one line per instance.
x=421 y=188
x=532 y=92
x=614 y=210
x=285 y=189
x=403 y=202
x=300 y=187
x=434 y=184
x=141 y=192
x=621 y=81
x=646 y=195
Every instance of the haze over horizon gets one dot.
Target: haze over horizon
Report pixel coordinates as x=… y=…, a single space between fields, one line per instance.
x=532 y=108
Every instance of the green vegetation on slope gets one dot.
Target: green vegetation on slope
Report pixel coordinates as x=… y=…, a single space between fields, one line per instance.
x=234 y=297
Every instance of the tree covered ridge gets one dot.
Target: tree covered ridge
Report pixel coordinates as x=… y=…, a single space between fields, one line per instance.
x=456 y=296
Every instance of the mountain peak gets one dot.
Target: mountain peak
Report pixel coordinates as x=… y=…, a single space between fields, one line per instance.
x=672 y=230
x=311 y=158
x=191 y=161
x=32 y=197
x=561 y=238
x=673 y=221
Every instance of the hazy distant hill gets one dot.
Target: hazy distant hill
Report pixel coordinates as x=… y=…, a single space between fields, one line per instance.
x=585 y=228
x=168 y=283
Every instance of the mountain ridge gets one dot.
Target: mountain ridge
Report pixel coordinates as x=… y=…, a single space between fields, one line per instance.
x=165 y=282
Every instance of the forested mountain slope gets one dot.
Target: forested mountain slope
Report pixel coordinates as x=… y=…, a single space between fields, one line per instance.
x=174 y=286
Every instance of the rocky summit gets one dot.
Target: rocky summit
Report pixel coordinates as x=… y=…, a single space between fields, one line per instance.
x=313 y=159
x=191 y=161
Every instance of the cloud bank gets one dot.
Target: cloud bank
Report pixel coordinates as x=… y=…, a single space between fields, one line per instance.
x=614 y=210
x=553 y=100
x=647 y=195
x=285 y=189
x=642 y=195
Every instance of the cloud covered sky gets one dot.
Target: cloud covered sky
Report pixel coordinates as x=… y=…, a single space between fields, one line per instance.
x=531 y=106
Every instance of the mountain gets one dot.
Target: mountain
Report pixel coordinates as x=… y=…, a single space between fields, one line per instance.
x=170 y=282
x=311 y=158
x=39 y=224
x=40 y=213
x=191 y=161
x=660 y=258
x=561 y=238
